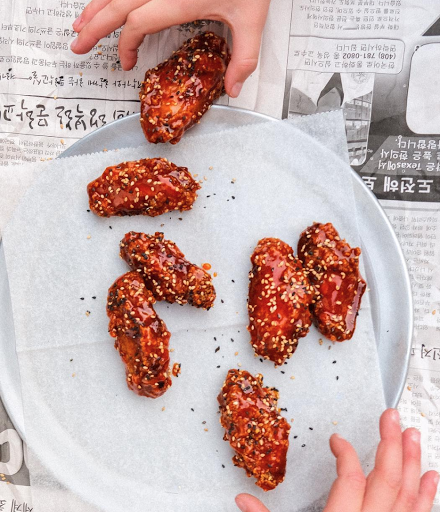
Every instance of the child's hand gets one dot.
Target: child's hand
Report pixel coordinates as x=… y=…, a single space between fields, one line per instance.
x=394 y=485
x=246 y=19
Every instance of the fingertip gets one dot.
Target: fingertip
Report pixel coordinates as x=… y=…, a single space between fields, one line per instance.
x=77 y=23
x=239 y=501
x=235 y=90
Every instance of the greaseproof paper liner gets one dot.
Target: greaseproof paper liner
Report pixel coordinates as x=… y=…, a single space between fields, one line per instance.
x=118 y=450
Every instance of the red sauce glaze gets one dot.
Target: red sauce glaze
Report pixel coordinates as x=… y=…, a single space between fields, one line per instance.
x=279 y=298
x=141 y=336
x=150 y=186
x=254 y=428
x=333 y=268
x=165 y=270
x=176 y=93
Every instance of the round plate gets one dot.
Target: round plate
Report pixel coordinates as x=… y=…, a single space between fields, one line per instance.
x=388 y=277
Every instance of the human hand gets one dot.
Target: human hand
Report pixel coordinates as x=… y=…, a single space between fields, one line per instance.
x=394 y=485
x=246 y=19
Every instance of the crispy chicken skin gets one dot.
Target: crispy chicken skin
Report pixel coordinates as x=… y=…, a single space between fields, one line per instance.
x=141 y=336
x=254 y=428
x=279 y=298
x=165 y=270
x=333 y=268
x=176 y=93
x=150 y=186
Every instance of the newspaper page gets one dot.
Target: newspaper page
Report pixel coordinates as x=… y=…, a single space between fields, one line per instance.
x=378 y=60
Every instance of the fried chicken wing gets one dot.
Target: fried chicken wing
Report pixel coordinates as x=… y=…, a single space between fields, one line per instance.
x=333 y=268
x=165 y=270
x=176 y=93
x=254 y=428
x=279 y=298
x=141 y=336
x=150 y=186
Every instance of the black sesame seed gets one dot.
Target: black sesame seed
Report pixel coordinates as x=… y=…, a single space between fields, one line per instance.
x=218 y=366
x=110 y=227
x=223 y=466
x=82 y=298
x=294 y=437
x=337 y=377
x=310 y=428
x=94 y=297
x=192 y=409
x=222 y=301
x=283 y=371
x=217 y=349
x=334 y=362
x=233 y=197
x=302 y=446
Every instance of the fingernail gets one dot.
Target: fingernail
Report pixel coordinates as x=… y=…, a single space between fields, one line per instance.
x=436 y=479
x=242 y=506
x=74 y=44
x=236 y=88
x=415 y=436
x=395 y=416
x=77 y=22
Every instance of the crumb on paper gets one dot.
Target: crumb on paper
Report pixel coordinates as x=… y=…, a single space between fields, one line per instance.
x=62 y=126
x=233 y=180
x=422 y=414
x=80 y=73
x=434 y=311
x=99 y=53
x=55 y=97
x=409 y=388
x=89 y=237
x=239 y=365
x=292 y=378
x=73 y=374
x=171 y=350
x=320 y=341
x=236 y=354
x=163 y=408
x=87 y=313
x=205 y=429
x=291 y=420
x=211 y=167
x=334 y=422
x=62 y=141
x=215 y=274
x=105 y=150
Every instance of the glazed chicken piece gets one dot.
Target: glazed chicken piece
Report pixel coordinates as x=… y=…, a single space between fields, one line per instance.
x=165 y=270
x=254 y=428
x=141 y=336
x=279 y=298
x=150 y=186
x=333 y=268
x=176 y=93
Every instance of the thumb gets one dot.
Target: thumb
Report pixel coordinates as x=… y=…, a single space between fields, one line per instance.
x=246 y=29
x=244 y=59
x=249 y=503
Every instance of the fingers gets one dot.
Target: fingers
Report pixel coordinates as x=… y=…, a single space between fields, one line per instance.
x=109 y=18
x=347 y=492
x=427 y=491
x=89 y=11
x=152 y=17
x=246 y=41
x=383 y=483
x=249 y=503
x=409 y=491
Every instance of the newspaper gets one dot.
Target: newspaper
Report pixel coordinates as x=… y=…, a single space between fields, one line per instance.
x=378 y=60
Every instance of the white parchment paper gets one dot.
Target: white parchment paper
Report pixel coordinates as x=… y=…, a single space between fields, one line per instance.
x=118 y=450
